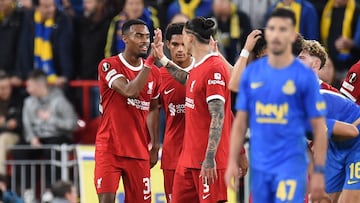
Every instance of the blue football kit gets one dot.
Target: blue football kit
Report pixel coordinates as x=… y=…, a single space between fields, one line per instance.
x=279 y=103
x=342 y=170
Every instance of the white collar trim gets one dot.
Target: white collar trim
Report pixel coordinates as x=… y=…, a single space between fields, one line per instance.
x=123 y=60
x=204 y=58
x=191 y=66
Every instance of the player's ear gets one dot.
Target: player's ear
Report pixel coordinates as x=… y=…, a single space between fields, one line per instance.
x=168 y=44
x=125 y=38
x=317 y=63
x=293 y=36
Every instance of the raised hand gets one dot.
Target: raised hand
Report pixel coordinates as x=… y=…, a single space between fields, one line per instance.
x=251 y=39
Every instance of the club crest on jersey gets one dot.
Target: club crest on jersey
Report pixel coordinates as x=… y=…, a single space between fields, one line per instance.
x=150 y=87
x=289 y=87
x=192 y=85
x=106 y=66
x=352 y=77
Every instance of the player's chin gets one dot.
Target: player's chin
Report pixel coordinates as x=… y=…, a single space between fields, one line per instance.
x=142 y=54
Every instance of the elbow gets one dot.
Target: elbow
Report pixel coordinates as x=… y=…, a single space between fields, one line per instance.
x=132 y=94
x=354 y=132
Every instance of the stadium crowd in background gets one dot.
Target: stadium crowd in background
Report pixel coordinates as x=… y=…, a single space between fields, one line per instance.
x=67 y=39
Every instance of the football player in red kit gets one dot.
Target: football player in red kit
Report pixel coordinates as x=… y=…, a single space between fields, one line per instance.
x=203 y=160
x=172 y=99
x=129 y=91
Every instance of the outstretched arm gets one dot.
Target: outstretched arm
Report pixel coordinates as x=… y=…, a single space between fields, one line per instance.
x=240 y=64
x=178 y=73
x=122 y=85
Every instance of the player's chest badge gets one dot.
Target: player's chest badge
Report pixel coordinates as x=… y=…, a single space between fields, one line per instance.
x=150 y=87
x=289 y=87
x=192 y=85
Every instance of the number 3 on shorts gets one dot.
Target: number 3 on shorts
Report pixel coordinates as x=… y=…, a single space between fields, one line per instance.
x=147 y=189
x=286 y=190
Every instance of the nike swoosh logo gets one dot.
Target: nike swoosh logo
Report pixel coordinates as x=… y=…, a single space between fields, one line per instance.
x=146 y=197
x=255 y=85
x=168 y=91
x=205 y=196
x=351 y=182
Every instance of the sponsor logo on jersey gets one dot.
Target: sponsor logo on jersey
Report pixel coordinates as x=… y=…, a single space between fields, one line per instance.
x=255 y=85
x=205 y=196
x=146 y=197
x=271 y=113
x=217 y=80
x=168 y=91
x=176 y=109
x=189 y=103
x=217 y=76
x=351 y=182
x=289 y=87
x=106 y=66
x=142 y=105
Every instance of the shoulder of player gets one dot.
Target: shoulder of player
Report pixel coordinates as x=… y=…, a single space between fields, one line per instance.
x=109 y=62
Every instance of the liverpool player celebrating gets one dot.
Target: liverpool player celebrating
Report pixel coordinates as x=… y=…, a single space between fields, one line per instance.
x=202 y=163
x=129 y=90
x=172 y=99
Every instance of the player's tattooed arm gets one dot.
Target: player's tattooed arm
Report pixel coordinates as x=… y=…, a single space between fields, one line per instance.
x=216 y=109
x=178 y=73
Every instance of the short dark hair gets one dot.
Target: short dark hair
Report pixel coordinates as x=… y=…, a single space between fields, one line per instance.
x=298 y=44
x=173 y=29
x=202 y=28
x=3 y=75
x=126 y=26
x=37 y=74
x=60 y=188
x=260 y=44
x=283 y=13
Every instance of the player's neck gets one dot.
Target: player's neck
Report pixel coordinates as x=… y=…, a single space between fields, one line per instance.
x=281 y=61
x=132 y=59
x=200 y=51
x=184 y=64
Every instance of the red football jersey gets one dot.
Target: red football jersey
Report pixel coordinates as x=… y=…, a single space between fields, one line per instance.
x=123 y=128
x=326 y=86
x=351 y=85
x=172 y=98
x=207 y=81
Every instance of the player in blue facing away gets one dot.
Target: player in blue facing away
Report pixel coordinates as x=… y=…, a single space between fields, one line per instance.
x=277 y=96
x=342 y=174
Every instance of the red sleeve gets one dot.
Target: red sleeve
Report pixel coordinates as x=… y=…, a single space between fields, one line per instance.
x=216 y=81
x=108 y=72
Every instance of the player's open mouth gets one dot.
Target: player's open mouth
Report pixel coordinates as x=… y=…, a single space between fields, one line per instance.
x=143 y=48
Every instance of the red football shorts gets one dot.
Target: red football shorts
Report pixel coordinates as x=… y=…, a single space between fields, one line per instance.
x=168 y=183
x=135 y=173
x=188 y=187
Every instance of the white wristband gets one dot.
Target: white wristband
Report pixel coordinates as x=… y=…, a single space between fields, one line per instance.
x=244 y=53
x=164 y=60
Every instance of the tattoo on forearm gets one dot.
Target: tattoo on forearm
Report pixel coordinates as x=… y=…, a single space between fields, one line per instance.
x=216 y=108
x=179 y=74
